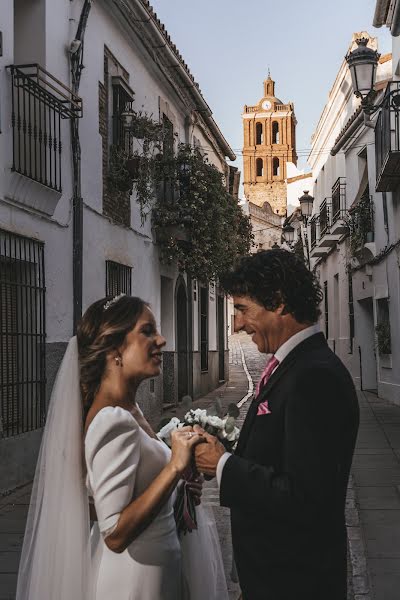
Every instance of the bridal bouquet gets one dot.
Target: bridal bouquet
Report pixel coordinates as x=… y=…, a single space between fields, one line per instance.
x=224 y=428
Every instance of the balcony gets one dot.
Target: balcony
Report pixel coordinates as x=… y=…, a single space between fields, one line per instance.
x=323 y=218
x=338 y=223
x=387 y=141
x=40 y=104
x=313 y=232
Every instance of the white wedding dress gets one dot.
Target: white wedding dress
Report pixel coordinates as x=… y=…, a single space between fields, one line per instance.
x=61 y=558
x=122 y=460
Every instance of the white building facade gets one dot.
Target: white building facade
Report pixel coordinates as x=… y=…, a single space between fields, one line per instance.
x=354 y=234
x=48 y=231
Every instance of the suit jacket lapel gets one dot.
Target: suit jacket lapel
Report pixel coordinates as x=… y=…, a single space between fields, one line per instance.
x=286 y=364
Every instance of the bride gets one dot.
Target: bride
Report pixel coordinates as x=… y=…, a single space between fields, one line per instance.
x=98 y=447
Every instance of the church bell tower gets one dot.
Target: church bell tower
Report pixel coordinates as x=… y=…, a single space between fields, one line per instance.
x=269 y=129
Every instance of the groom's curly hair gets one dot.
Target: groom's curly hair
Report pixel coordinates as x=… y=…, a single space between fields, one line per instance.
x=100 y=331
x=274 y=277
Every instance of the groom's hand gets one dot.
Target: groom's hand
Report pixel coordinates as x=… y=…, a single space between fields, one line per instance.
x=207 y=455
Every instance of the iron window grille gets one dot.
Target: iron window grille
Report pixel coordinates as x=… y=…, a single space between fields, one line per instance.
x=338 y=199
x=313 y=232
x=39 y=105
x=118 y=279
x=122 y=98
x=22 y=335
x=204 y=328
x=324 y=217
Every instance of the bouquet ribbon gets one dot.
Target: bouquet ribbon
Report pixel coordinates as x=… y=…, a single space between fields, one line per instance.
x=185 y=509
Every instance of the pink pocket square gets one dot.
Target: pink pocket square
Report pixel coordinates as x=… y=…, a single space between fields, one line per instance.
x=263 y=408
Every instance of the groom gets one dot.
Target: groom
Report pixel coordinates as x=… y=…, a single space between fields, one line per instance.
x=286 y=483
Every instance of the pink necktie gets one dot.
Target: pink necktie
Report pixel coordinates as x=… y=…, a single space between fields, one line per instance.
x=266 y=374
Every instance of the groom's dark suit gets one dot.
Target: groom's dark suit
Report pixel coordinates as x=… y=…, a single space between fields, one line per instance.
x=286 y=484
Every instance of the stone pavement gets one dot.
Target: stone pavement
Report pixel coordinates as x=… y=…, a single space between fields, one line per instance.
x=376 y=476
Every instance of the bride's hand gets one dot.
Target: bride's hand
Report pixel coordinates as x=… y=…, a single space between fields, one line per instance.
x=183 y=442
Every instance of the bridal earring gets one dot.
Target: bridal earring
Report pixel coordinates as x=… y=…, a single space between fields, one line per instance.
x=118 y=361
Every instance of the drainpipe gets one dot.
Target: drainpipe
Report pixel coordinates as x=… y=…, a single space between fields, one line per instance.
x=76 y=61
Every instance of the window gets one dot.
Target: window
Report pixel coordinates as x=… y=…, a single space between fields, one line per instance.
x=275 y=132
x=122 y=98
x=259 y=134
x=118 y=279
x=168 y=152
x=204 y=328
x=259 y=167
x=39 y=106
x=22 y=335
x=168 y=137
x=351 y=312
x=275 y=167
x=326 y=309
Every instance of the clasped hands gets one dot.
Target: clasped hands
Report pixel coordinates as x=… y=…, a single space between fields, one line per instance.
x=207 y=455
x=206 y=449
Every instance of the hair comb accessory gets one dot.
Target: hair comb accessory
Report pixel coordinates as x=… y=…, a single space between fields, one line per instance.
x=113 y=301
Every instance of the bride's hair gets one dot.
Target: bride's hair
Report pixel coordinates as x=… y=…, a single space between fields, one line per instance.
x=102 y=329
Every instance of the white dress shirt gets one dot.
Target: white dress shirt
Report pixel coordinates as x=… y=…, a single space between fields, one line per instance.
x=280 y=354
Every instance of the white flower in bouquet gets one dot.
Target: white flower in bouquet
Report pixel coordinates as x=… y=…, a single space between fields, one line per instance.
x=216 y=422
x=165 y=432
x=232 y=436
x=197 y=416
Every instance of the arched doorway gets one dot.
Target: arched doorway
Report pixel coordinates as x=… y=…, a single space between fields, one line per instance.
x=182 y=338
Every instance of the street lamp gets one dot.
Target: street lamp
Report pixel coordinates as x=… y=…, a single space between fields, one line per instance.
x=288 y=234
x=363 y=62
x=306 y=206
x=127 y=117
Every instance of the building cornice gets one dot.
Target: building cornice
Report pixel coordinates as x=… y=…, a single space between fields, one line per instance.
x=139 y=14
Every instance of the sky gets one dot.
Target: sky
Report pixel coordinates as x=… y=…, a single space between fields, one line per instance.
x=230 y=44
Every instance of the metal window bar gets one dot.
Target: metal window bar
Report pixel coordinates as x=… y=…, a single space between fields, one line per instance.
x=122 y=102
x=204 y=328
x=326 y=309
x=338 y=199
x=324 y=217
x=118 y=279
x=22 y=335
x=39 y=104
x=313 y=232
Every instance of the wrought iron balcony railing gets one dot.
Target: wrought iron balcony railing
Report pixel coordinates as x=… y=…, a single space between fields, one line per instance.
x=338 y=199
x=323 y=218
x=387 y=140
x=313 y=232
x=39 y=105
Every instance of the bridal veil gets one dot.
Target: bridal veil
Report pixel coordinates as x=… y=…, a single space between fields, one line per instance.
x=55 y=560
